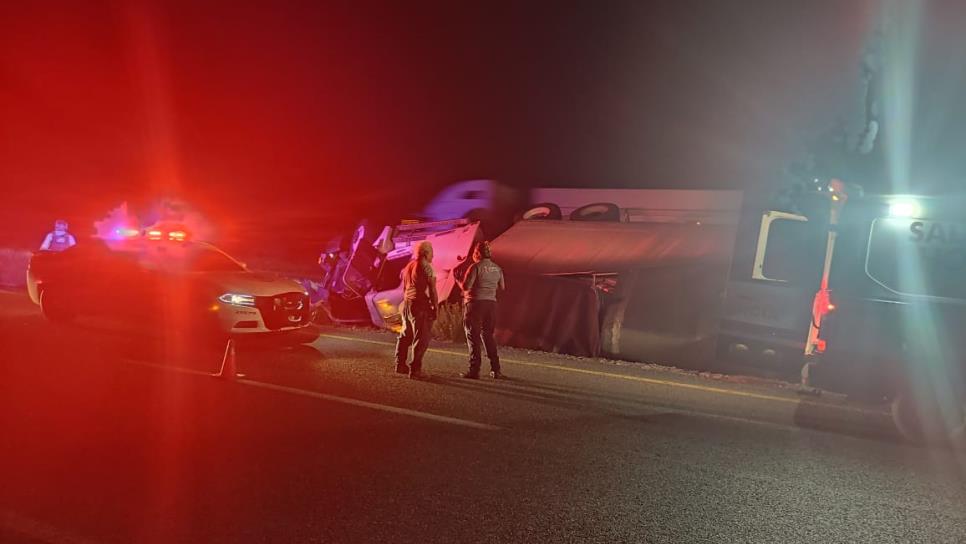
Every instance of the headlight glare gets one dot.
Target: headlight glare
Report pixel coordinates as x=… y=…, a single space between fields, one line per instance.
x=905 y=208
x=237 y=299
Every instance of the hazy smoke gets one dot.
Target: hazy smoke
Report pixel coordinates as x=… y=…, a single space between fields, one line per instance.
x=117 y=219
x=168 y=214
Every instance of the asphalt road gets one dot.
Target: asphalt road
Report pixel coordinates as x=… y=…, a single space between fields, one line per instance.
x=108 y=437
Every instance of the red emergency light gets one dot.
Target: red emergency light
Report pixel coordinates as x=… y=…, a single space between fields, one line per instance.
x=176 y=234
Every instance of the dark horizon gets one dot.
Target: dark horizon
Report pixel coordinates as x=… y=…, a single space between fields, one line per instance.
x=117 y=99
x=264 y=107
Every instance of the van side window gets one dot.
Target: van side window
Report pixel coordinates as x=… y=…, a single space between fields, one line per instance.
x=790 y=250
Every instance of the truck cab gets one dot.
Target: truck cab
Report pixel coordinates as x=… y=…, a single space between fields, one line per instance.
x=363 y=283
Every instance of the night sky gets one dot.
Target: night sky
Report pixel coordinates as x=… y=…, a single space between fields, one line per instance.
x=309 y=105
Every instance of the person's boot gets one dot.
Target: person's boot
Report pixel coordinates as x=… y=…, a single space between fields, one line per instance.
x=470 y=375
x=402 y=368
x=416 y=371
x=497 y=375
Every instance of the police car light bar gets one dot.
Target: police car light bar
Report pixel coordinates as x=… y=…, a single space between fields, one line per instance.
x=126 y=232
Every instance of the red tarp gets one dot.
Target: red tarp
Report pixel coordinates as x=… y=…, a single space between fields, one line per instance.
x=549 y=314
x=665 y=309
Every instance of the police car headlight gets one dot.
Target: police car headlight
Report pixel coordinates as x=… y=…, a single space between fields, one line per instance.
x=237 y=300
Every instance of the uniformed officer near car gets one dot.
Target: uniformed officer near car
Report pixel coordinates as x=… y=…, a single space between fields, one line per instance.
x=480 y=286
x=59 y=239
x=418 y=311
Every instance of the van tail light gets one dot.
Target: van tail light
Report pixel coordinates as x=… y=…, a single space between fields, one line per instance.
x=823 y=305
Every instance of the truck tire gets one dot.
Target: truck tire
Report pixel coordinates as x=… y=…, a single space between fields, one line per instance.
x=544 y=210
x=919 y=419
x=600 y=211
x=55 y=307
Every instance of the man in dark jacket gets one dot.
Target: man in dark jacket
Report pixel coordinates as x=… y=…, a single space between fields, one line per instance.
x=418 y=311
x=483 y=279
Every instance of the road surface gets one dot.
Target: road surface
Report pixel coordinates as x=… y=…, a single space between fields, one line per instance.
x=110 y=437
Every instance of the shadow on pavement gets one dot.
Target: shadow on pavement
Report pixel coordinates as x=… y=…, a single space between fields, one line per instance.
x=560 y=397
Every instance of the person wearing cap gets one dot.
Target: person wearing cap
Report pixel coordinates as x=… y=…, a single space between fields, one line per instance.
x=418 y=311
x=480 y=286
x=59 y=239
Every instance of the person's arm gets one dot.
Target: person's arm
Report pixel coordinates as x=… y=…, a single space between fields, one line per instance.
x=47 y=241
x=502 y=284
x=71 y=241
x=470 y=280
x=431 y=280
x=433 y=297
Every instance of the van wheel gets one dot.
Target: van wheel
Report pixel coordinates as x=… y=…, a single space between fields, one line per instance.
x=55 y=307
x=601 y=211
x=543 y=210
x=920 y=419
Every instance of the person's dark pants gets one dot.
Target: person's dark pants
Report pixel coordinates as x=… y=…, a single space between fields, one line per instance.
x=416 y=332
x=479 y=320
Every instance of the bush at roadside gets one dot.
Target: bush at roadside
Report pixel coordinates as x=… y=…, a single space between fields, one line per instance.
x=449 y=322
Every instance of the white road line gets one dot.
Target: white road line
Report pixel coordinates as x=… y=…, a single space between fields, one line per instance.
x=331 y=398
x=371 y=405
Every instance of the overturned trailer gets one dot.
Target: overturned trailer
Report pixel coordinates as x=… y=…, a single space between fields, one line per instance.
x=634 y=274
x=646 y=284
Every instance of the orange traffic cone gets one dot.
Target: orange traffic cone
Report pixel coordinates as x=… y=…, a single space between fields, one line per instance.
x=229 y=365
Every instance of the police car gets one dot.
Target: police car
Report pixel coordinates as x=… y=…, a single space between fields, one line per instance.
x=160 y=278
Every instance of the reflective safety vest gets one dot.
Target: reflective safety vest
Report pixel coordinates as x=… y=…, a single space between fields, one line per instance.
x=59 y=242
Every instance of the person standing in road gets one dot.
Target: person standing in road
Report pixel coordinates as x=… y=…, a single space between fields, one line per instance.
x=418 y=311
x=483 y=279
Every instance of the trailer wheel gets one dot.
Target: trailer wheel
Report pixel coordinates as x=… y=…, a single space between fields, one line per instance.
x=545 y=210
x=921 y=419
x=55 y=307
x=600 y=211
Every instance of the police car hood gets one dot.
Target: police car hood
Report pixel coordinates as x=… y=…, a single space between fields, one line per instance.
x=258 y=284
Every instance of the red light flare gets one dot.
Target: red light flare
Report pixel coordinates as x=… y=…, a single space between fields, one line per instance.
x=148 y=64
